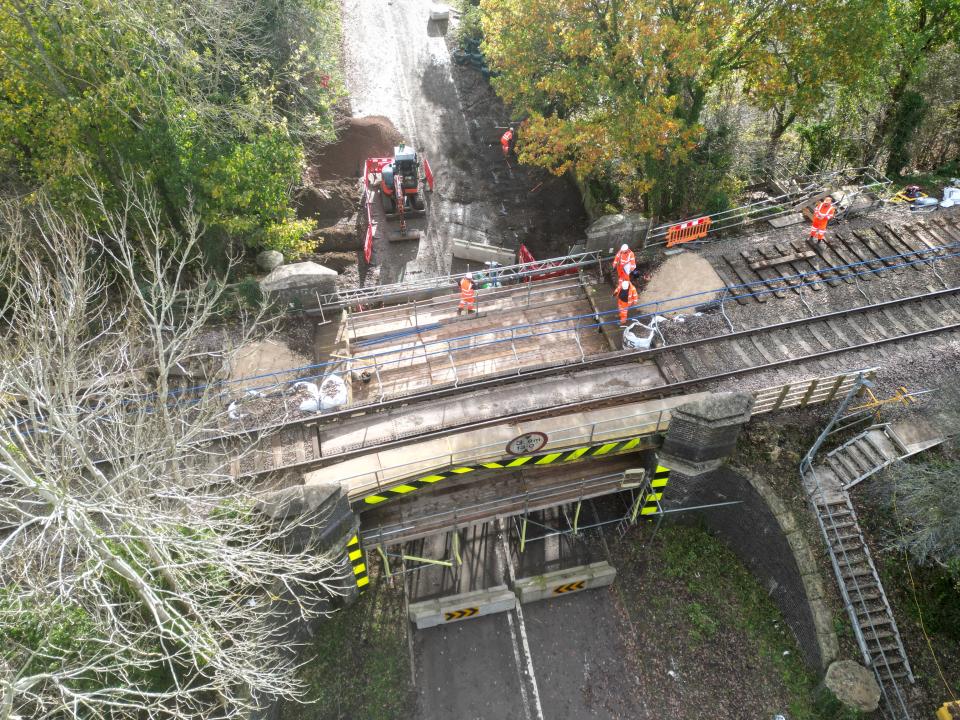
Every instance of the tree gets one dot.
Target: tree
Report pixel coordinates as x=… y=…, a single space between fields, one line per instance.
x=205 y=98
x=915 y=30
x=826 y=50
x=137 y=576
x=618 y=87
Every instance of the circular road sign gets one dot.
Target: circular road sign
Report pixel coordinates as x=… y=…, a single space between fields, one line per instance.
x=527 y=443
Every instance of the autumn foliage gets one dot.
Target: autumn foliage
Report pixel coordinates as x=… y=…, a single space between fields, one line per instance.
x=619 y=88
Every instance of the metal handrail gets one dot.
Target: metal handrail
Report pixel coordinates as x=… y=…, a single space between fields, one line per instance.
x=504 y=273
x=559 y=439
x=542 y=328
x=807 y=469
x=805 y=185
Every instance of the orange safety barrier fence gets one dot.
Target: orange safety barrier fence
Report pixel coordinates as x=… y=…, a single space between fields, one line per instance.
x=687 y=231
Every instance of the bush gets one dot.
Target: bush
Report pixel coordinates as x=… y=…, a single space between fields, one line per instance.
x=289 y=237
x=469 y=31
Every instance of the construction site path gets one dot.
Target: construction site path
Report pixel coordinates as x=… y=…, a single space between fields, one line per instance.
x=398 y=65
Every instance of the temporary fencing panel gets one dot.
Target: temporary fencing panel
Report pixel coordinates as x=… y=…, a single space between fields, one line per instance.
x=687 y=231
x=428 y=173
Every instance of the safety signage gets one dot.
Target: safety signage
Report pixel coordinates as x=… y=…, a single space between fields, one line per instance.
x=460 y=614
x=563 y=456
x=527 y=443
x=569 y=587
x=355 y=556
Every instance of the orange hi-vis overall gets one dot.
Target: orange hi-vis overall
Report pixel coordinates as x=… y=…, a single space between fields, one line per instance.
x=625 y=300
x=505 y=141
x=623 y=264
x=468 y=295
x=821 y=216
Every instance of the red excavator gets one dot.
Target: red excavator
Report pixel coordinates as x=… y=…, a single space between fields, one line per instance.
x=401 y=182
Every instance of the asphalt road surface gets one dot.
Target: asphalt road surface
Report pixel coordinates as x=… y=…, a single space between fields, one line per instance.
x=559 y=658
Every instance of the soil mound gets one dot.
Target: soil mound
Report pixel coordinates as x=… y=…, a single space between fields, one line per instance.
x=681 y=276
x=328 y=202
x=361 y=138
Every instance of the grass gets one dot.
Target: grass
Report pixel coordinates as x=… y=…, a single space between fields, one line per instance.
x=722 y=597
x=360 y=663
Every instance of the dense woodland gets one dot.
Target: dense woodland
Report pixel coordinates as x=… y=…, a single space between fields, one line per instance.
x=671 y=105
x=208 y=102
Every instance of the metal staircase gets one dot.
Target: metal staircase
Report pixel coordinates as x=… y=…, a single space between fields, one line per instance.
x=871 y=617
x=867 y=605
x=866 y=454
x=872 y=450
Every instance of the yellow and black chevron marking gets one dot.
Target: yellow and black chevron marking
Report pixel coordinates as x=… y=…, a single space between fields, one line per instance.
x=460 y=614
x=564 y=456
x=651 y=503
x=569 y=587
x=355 y=555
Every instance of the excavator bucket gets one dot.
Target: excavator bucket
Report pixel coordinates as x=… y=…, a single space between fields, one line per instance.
x=405 y=234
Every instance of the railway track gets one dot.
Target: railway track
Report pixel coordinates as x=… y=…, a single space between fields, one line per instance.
x=683 y=366
x=761 y=292
x=776 y=271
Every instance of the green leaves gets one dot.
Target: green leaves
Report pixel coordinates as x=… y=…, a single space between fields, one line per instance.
x=209 y=101
x=616 y=88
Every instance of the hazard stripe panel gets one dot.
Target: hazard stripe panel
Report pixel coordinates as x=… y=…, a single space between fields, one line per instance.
x=355 y=556
x=550 y=458
x=651 y=500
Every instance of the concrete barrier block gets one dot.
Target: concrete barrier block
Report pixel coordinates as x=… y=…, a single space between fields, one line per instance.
x=478 y=252
x=464 y=606
x=564 y=582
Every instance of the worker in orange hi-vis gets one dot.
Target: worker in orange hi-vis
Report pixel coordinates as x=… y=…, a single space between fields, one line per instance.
x=821 y=216
x=627 y=297
x=506 y=142
x=624 y=262
x=468 y=294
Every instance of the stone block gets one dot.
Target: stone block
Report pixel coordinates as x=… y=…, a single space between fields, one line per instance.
x=703 y=433
x=269 y=260
x=465 y=606
x=481 y=253
x=609 y=232
x=300 y=276
x=333 y=517
x=560 y=583
x=854 y=685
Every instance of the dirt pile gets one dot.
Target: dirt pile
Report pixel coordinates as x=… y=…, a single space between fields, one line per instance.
x=361 y=138
x=328 y=202
x=681 y=276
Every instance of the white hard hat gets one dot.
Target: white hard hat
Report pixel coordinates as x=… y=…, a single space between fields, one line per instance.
x=625 y=284
x=469 y=276
x=624 y=248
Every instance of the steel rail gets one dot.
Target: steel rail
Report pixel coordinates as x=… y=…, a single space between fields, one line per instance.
x=619 y=357
x=637 y=395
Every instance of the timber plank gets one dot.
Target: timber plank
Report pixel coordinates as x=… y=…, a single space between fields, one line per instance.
x=753 y=285
x=737 y=293
x=814 y=261
x=809 y=278
x=769 y=282
x=900 y=247
x=783 y=259
x=846 y=257
x=879 y=249
x=857 y=249
x=830 y=257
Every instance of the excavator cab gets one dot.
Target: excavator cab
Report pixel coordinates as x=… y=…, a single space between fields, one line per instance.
x=405 y=164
